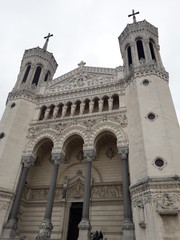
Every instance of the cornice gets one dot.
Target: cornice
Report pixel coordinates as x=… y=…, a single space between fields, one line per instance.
x=146 y=70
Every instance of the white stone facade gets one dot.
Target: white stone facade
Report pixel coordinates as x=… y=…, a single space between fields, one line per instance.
x=104 y=109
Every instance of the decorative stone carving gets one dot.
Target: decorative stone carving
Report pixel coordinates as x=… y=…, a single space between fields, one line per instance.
x=106 y=192
x=76 y=191
x=80 y=155
x=123 y=152
x=110 y=153
x=89 y=154
x=27 y=161
x=4 y=205
x=123 y=120
x=57 y=157
x=166 y=203
x=141 y=199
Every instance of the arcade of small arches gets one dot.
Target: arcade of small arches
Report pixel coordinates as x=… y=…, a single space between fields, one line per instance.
x=37 y=74
x=78 y=107
x=142 y=55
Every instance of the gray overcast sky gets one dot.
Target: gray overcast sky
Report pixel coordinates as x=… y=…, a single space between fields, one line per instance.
x=83 y=30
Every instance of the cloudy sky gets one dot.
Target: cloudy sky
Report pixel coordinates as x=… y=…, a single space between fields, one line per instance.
x=83 y=30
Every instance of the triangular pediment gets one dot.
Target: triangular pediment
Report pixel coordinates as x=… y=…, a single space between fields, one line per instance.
x=84 y=77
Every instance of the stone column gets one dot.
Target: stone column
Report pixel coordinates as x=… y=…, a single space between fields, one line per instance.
x=64 y=110
x=46 y=225
x=46 y=115
x=9 y=230
x=55 y=112
x=128 y=226
x=85 y=226
x=91 y=106
x=110 y=104
x=82 y=106
x=73 y=108
x=100 y=105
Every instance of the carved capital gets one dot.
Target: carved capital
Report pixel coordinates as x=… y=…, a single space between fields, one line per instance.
x=89 y=154
x=57 y=157
x=28 y=160
x=123 y=152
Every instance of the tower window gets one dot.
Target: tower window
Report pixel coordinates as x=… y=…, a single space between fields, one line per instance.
x=129 y=55
x=47 y=76
x=26 y=73
x=140 y=49
x=37 y=75
x=152 y=50
x=2 y=135
x=42 y=113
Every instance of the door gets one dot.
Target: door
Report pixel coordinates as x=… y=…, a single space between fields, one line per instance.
x=74 y=220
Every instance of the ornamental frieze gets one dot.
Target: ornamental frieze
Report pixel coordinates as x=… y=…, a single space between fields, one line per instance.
x=75 y=191
x=106 y=192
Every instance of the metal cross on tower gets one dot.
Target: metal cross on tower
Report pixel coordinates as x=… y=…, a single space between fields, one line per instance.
x=133 y=14
x=46 y=42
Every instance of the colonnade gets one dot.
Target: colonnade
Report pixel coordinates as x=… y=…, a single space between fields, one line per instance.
x=79 y=108
x=84 y=226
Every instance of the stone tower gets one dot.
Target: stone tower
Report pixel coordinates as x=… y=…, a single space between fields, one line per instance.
x=95 y=149
x=37 y=67
x=153 y=133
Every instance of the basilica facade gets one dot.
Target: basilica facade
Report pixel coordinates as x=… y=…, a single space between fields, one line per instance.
x=96 y=149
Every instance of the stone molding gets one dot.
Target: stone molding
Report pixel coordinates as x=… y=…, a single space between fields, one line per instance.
x=146 y=70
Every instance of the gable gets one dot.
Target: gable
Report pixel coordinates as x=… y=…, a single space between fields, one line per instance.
x=85 y=77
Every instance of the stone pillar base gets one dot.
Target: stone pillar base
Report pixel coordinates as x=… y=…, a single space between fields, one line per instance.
x=84 y=229
x=128 y=230
x=9 y=229
x=45 y=230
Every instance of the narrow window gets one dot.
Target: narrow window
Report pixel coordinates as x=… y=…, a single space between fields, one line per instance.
x=96 y=104
x=68 y=112
x=36 y=75
x=60 y=106
x=51 y=111
x=140 y=50
x=26 y=73
x=129 y=55
x=152 y=51
x=105 y=105
x=115 y=98
x=77 y=110
x=86 y=108
x=43 y=109
x=47 y=76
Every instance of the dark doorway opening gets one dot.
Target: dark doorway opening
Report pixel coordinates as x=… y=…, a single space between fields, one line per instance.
x=74 y=220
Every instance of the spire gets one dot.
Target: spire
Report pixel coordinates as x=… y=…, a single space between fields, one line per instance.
x=133 y=14
x=46 y=42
